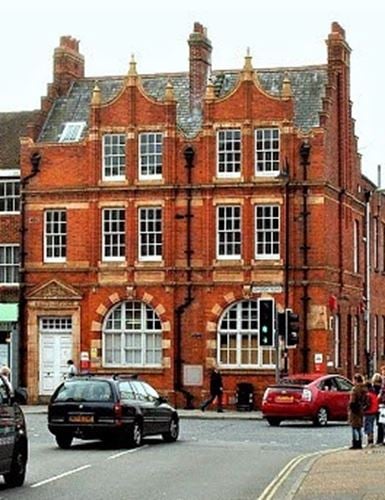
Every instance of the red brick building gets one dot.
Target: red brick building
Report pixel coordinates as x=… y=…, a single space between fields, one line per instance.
x=161 y=209
x=12 y=126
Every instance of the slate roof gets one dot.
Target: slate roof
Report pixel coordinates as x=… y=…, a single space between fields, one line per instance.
x=308 y=86
x=12 y=126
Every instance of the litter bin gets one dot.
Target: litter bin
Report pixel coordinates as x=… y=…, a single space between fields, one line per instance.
x=245 y=397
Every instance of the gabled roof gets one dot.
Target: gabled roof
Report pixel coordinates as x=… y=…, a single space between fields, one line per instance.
x=12 y=126
x=308 y=87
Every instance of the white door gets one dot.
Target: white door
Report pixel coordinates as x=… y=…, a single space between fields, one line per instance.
x=55 y=351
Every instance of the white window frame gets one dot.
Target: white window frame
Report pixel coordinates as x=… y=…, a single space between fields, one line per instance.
x=356 y=246
x=150 y=233
x=9 y=201
x=55 y=324
x=229 y=153
x=113 y=234
x=9 y=265
x=150 y=155
x=72 y=131
x=267 y=232
x=237 y=329
x=132 y=329
x=56 y=237
x=267 y=151
x=229 y=232
x=114 y=157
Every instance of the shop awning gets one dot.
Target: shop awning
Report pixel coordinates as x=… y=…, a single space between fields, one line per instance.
x=8 y=312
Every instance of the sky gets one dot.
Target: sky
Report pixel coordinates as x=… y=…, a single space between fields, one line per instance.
x=278 y=33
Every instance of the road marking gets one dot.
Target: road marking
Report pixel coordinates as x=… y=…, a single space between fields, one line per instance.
x=270 y=490
x=59 y=476
x=120 y=454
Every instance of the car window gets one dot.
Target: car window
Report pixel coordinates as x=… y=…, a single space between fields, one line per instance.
x=87 y=390
x=139 y=390
x=343 y=384
x=296 y=381
x=328 y=384
x=151 y=392
x=126 y=390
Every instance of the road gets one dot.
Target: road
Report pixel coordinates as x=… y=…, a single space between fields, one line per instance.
x=214 y=459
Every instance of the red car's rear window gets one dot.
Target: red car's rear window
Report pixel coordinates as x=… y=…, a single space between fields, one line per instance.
x=295 y=381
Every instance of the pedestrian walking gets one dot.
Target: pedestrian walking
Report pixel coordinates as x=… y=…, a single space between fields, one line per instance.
x=376 y=385
x=370 y=414
x=356 y=410
x=216 y=390
x=71 y=369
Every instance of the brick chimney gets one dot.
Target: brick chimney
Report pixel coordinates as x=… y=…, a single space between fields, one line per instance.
x=68 y=64
x=200 y=65
x=338 y=49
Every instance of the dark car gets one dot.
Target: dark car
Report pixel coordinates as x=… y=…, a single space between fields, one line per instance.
x=110 y=408
x=307 y=396
x=13 y=436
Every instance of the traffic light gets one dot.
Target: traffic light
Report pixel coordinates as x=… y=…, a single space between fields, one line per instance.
x=292 y=328
x=266 y=322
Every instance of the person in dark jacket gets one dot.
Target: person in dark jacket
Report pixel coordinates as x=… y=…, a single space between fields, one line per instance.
x=376 y=385
x=356 y=410
x=216 y=390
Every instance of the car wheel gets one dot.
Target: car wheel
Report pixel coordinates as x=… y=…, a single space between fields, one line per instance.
x=274 y=422
x=136 y=437
x=173 y=432
x=64 y=441
x=16 y=475
x=321 y=418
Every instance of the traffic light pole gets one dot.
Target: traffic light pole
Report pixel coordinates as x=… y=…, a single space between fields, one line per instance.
x=277 y=350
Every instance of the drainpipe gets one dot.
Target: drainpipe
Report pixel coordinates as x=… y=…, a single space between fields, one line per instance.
x=287 y=262
x=368 y=195
x=287 y=235
x=305 y=153
x=189 y=155
x=34 y=159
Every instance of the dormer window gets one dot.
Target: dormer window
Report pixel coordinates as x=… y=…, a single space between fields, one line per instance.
x=72 y=131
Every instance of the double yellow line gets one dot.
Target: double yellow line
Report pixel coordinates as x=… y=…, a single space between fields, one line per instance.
x=272 y=488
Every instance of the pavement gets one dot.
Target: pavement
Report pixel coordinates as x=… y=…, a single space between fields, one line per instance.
x=339 y=474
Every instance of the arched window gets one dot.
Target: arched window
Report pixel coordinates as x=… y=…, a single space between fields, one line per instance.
x=238 y=338
x=132 y=336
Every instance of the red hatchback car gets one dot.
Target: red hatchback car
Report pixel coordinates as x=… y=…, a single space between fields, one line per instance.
x=315 y=397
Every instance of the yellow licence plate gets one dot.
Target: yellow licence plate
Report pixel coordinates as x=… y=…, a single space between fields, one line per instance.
x=81 y=419
x=284 y=399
